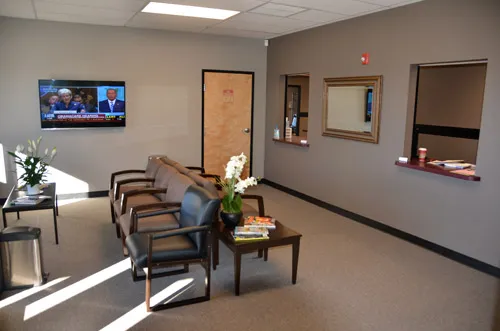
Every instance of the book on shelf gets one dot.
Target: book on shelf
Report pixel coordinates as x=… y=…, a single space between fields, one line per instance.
x=260 y=221
x=30 y=200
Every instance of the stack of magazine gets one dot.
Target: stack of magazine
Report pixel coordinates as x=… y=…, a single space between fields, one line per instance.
x=262 y=221
x=245 y=233
x=254 y=228
x=30 y=200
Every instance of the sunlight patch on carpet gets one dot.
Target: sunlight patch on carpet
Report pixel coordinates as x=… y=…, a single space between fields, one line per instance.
x=70 y=291
x=139 y=313
x=26 y=293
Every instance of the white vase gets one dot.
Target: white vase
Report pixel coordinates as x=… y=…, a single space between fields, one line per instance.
x=32 y=190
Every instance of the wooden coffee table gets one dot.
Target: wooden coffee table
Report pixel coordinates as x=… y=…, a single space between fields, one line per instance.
x=281 y=236
x=49 y=190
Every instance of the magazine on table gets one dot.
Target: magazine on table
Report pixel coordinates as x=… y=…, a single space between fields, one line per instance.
x=30 y=200
x=242 y=233
x=251 y=231
x=260 y=221
x=239 y=238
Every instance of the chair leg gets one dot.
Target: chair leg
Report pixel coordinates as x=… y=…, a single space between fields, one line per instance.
x=148 y=290
x=133 y=269
x=207 y=266
x=113 y=219
x=124 y=246
x=118 y=234
x=215 y=250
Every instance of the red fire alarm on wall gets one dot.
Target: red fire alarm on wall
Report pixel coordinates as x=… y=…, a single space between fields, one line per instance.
x=365 y=58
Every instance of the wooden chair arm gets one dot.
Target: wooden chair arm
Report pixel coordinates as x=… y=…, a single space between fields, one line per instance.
x=154 y=205
x=126 y=195
x=123 y=172
x=201 y=169
x=135 y=216
x=260 y=201
x=181 y=231
x=217 y=180
x=119 y=183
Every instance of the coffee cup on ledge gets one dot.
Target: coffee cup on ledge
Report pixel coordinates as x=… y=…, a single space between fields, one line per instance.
x=422 y=154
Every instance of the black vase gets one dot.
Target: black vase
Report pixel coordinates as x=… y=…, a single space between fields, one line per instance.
x=231 y=220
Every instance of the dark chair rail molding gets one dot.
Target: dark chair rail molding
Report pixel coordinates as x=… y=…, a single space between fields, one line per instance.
x=66 y=196
x=446 y=252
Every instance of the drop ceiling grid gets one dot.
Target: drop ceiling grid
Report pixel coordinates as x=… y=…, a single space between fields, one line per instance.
x=263 y=19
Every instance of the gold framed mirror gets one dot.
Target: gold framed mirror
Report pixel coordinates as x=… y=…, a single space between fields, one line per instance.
x=351 y=108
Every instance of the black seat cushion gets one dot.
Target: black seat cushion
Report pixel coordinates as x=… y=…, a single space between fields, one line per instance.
x=165 y=249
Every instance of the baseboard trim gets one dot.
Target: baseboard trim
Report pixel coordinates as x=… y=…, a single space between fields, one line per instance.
x=67 y=196
x=446 y=252
x=83 y=195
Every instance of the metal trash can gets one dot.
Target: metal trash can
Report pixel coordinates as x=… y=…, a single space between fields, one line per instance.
x=21 y=257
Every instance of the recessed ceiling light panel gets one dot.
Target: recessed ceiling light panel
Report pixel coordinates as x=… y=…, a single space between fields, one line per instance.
x=189 y=11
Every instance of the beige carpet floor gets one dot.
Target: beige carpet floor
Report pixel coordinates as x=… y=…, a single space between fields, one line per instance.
x=350 y=278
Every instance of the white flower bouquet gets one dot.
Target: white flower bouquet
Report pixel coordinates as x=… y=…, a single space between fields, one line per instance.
x=233 y=186
x=34 y=165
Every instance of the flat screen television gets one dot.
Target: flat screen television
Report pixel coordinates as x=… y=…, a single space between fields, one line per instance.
x=368 y=106
x=68 y=104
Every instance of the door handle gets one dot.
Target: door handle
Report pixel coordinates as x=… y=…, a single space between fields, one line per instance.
x=246 y=130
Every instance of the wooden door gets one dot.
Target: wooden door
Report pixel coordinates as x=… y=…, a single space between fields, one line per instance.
x=227 y=119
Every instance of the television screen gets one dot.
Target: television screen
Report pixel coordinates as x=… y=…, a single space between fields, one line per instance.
x=81 y=103
x=369 y=101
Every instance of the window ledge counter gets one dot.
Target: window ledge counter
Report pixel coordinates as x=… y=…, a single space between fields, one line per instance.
x=294 y=141
x=436 y=169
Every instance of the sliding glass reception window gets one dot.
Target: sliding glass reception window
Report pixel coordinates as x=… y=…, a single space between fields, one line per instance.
x=448 y=108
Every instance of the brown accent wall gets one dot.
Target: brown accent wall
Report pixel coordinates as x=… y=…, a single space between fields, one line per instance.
x=362 y=177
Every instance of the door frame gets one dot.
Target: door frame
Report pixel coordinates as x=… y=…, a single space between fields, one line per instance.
x=203 y=71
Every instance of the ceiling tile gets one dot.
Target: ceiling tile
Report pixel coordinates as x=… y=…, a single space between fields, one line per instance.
x=88 y=19
x=277 y=10
x=407 y=2
x=47 y=10
x=239 y=33
x=346 y=7
x=318 y=16
x=121 y=5
x=390 y=2
x=239 y=5
x=268 y=28
x=265 y=23
x=170 y=22
x=17 y=8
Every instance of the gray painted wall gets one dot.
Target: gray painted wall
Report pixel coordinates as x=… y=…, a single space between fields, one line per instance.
x=162 y=71
x=362 y=177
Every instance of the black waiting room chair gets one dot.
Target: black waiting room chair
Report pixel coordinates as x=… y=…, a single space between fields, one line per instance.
x=189 y=244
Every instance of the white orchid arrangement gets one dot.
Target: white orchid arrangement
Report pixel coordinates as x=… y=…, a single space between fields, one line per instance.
x=233 y=186
x=34 y=165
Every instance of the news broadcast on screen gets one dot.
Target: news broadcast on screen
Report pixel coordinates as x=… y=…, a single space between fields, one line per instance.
x=82 y=104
